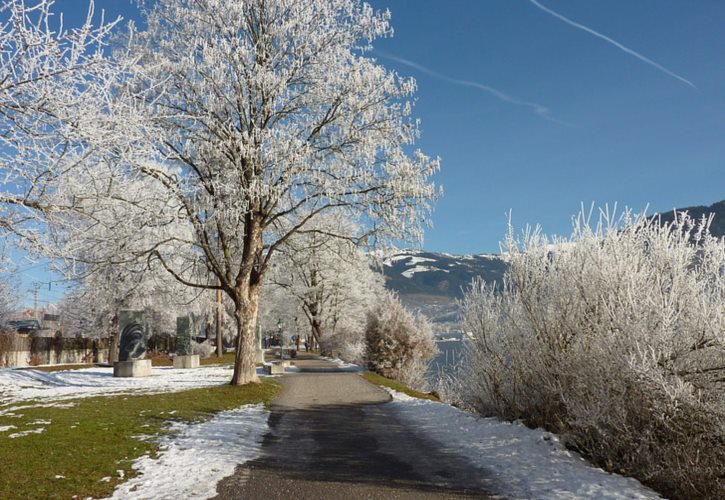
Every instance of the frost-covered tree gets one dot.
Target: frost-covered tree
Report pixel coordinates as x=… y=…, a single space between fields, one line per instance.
x=8 y=298
x=261 y=116
x=328 y=277
x=46 y=74
x=103 y=243
x=614 y=338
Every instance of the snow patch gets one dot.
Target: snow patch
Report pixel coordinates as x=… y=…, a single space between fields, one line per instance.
x=395 y=258
x=350 y=367
x=418 y=260
x=489 y=256
x=181 y=469
x=526 y=463
x=26 y=433
x=24 y=385
x=408 y=273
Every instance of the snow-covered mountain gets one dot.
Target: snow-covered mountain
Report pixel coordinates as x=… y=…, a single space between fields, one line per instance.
x=432 y=282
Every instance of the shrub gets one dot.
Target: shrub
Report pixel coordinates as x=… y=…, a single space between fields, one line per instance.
x=615 y=339
x=203 y=349
x=399 y=343
x=349 y=345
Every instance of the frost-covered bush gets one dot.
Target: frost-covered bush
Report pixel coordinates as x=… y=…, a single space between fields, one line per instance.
x=203 y=349
x=399 y=343
x=615 y=339
x=349 y=345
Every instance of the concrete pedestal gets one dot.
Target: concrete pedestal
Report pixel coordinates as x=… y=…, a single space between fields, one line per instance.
x=135 y=368
x=274 y=369
x=190 y=361
x=259 y=356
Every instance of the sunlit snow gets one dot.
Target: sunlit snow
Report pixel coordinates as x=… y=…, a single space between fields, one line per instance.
x=198 y=456
x=23 y=385
x=525 y=463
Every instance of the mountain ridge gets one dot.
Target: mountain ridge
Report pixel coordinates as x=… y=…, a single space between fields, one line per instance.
x=697 y=212
x=433 y=282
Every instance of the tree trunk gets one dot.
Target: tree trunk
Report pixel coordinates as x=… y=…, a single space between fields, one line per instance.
x=317 y=334
x=245 y=313
x=113 y=344
x=219 y=335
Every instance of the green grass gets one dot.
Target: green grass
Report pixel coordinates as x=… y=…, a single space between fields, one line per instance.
x=397 y=386
x=226 y=359
x=98 y=436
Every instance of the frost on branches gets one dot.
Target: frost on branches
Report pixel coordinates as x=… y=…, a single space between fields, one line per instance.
x=46 y=75
x=258 y=117
x=9 y=299
x=399 y=343
x=616 y=339
x=102 y=246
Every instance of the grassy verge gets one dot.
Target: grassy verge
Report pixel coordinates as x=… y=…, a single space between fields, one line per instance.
x=96 y=437
x=376 y=379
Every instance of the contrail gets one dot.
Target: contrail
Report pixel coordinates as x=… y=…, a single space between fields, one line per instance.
x=539 y=109
x=613 y=42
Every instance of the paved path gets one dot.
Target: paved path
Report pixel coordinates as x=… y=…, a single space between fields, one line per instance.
x=331 y=436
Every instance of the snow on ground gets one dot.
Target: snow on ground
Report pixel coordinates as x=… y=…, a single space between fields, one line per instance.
x=24 y=385
x=344 y=365
x=199 y=456
x=525 y=463
x=192 y=461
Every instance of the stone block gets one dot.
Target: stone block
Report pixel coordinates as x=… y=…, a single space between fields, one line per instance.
x=274 y=369
x=134 y=368
x=190 y=361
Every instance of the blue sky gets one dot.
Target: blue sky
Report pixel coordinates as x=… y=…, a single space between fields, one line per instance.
x=621 y=130
x=636 y=119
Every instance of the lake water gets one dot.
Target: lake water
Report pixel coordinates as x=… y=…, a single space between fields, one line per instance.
x=450 y=354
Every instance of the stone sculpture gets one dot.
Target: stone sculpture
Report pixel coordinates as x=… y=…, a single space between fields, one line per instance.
x=134 y=340
x=183 y=336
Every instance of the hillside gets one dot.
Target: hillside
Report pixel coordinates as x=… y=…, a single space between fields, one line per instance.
x=718 y=209
x=432 y=282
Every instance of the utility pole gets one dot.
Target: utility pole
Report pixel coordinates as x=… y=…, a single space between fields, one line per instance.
x=36 y=287
x=219 y=340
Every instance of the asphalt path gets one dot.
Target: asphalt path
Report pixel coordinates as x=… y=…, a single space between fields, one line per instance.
x=332 y=436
